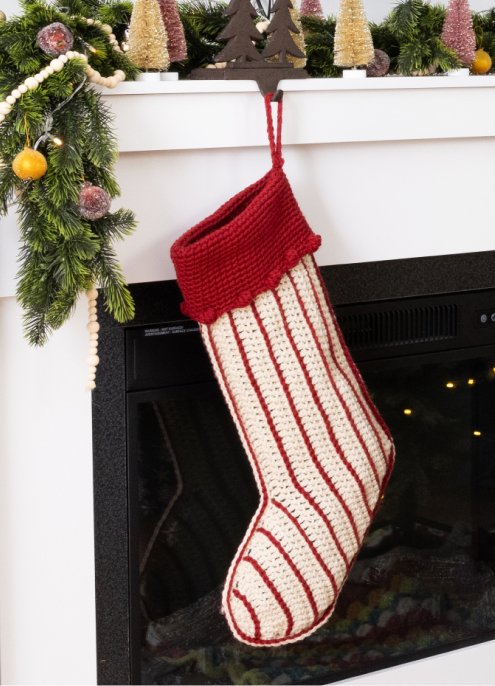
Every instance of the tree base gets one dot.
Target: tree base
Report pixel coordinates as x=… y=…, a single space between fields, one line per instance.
x=267 y=77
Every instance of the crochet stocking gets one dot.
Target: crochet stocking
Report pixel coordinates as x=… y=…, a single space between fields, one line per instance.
x=319 y=450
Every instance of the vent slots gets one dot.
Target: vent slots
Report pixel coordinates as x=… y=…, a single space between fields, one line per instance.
x=400 y=327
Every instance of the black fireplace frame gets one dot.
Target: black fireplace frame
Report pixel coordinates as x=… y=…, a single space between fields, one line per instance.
x=159 y=302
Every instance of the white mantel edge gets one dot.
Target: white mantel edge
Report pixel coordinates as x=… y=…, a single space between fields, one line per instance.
x=199 y=115
x=297 y=85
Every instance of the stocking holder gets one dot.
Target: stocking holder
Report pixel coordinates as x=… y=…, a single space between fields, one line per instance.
x=243 y=61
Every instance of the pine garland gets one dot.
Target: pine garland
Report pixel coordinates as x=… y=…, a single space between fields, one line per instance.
x=417 y=27
x=202 y=20
x=410 y=35
x=63 y=254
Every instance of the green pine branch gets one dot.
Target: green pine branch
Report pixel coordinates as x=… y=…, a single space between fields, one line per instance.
x=62 y=253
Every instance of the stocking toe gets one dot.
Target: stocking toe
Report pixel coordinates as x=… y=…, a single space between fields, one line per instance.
x=274 y=594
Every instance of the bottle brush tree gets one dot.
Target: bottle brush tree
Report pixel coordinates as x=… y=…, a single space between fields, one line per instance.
x=458 y=33
x=280 y=31
x=176 y=46
x=239 y=33
x=353 y=43
x=148 y=37
x=312 y=8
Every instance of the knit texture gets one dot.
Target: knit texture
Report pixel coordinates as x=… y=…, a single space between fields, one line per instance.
x=242 y=250
x=320 y=453
x=319 y=450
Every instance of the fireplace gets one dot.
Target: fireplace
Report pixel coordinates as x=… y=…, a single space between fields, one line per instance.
x=174 y=492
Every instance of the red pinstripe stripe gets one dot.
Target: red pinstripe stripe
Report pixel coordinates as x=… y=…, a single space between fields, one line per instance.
x=320 y=622
x=305 y=632
x=334 y=356
x=232 y=400
x=279 y=442
x=329 y=374
x=309 y=542
x=318 y=403
x=292 y=565
x=300 y=425
x=352 y=365
x=299 y=635
x=364 y=390
x=252 y=612
x=254 y=461
x=276 y=594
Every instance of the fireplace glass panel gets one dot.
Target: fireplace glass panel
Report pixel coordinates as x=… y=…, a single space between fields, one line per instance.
x=424 y=579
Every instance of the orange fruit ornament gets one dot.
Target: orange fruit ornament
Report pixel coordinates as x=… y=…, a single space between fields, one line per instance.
x=29 y=164
x=482 y=63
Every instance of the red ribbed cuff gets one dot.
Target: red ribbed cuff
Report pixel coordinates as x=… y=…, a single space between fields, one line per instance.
x=242 y=250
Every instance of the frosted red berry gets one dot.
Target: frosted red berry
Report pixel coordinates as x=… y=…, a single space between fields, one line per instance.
x=94 y=202
x=55 y=39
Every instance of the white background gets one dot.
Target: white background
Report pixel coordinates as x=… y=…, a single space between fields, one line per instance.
x=376 y=10
x=426 y=197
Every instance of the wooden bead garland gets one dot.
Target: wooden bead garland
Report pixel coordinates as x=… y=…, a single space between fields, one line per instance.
x=104 y=27
x=92 y=327
x=57 y=64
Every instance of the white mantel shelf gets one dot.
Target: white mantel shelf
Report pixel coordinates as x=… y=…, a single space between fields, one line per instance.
x=192 y=115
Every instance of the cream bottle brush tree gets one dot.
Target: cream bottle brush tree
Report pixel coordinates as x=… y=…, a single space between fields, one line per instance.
x=147 y=46
x=353 y=45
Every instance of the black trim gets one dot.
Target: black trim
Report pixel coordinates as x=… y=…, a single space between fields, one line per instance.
x=392 y=279
x=159 y=302
x=110 y=508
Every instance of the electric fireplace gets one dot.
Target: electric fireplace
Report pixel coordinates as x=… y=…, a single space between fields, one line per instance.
x=174 y=492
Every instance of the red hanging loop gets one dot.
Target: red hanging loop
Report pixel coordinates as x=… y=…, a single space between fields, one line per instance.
x=275 y=145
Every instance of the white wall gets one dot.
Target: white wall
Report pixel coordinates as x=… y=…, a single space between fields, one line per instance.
x=376 y=10
x=47 y=614
x=370 y=201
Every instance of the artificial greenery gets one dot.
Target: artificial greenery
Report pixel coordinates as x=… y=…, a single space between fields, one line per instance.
x=319 y=37
x=63 y=254
x=484 y=28
x=410 y=36
x=202 y=21
x=417 y=27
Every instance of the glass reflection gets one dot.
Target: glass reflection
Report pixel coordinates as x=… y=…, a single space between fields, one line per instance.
x=425 y=576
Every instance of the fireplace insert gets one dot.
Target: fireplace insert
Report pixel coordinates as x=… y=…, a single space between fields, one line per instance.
x=424 y=581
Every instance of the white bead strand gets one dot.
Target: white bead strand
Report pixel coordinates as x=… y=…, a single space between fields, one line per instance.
x=92 y=327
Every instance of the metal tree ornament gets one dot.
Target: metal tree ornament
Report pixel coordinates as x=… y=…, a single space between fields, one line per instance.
x=243 y=60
